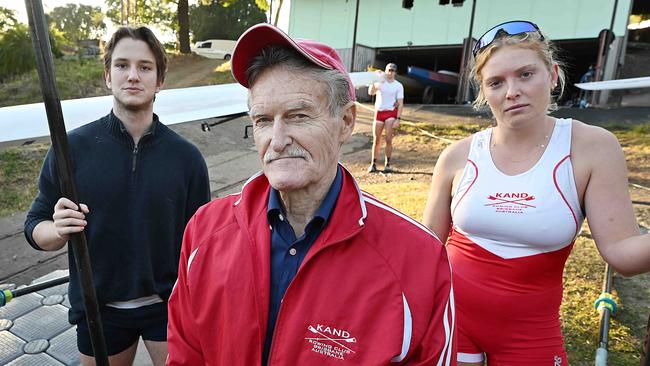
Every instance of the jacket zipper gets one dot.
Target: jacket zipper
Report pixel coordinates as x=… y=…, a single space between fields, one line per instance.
x=135 y=156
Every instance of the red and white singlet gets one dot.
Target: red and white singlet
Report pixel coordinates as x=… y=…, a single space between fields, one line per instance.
x=510 y=238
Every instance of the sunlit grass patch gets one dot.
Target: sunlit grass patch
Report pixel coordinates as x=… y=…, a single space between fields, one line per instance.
x=226 y=66
x=222 y=74
x=408 y=197
x=222 y=77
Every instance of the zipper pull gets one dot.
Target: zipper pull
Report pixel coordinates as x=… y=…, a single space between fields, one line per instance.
x=135 y=155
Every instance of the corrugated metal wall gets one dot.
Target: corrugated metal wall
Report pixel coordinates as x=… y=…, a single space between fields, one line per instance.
x=363 y=57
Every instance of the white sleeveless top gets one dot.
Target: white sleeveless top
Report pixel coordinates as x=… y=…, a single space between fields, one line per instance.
x=526 y=214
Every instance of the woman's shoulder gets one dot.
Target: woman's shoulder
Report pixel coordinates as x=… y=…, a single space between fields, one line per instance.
x=593 y=146
x=456 y=154
x=588 y=136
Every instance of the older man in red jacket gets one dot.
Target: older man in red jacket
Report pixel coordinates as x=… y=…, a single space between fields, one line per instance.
x=301 y=267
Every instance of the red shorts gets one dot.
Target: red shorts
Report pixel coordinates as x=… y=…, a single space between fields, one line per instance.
x=507 y=309
x=382 y=116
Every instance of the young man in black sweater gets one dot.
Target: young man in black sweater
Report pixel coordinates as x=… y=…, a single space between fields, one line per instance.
x=139 y=183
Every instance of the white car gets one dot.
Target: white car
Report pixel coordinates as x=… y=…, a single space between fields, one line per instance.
x=214 y=48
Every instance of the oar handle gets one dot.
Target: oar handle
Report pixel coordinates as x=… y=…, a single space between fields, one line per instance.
x=8 y=295
x=40 y=286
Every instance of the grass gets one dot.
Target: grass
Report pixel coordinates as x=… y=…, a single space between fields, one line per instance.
x=74 y=78
x=634 y=141
x=408 y=197
x=222 y=74
x=18 y=171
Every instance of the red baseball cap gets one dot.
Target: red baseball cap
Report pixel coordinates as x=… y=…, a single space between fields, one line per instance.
x=251 y=43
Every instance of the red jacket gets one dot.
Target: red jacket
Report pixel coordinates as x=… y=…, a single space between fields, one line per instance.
x=374 y=289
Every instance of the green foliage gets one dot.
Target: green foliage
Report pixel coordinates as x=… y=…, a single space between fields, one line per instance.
x=16 y=52
x=78 y=22
x=7 y=19
x=262 y=4
x=162 y=13
x=75 y=79
x=57 y=39
x=224 y=20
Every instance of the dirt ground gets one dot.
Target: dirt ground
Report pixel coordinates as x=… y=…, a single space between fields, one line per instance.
x=189 y=70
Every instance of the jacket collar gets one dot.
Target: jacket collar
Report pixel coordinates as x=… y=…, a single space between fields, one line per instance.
x=116 y=129
x=347 y=217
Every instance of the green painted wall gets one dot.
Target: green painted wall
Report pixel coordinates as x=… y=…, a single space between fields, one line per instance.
x=384 y=23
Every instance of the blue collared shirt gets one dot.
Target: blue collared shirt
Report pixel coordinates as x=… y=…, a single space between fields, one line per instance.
x=288 y=252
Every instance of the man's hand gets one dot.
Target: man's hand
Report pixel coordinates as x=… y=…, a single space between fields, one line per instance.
x=67 y=219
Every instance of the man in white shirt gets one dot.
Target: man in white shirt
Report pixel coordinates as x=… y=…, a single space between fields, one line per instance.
x=388 y=110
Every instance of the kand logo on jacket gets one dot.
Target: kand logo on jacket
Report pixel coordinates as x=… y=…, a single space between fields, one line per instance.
x=330 y=341
x=510 y=202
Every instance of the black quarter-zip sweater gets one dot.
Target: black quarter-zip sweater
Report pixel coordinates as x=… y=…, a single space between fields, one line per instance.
x=140 y=197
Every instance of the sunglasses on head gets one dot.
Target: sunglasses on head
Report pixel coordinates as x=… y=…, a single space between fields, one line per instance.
x=512 y=28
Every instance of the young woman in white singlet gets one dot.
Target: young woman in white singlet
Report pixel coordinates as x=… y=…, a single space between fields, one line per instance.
x=510 y=202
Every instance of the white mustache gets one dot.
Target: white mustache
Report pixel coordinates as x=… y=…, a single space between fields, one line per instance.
x=292 y=151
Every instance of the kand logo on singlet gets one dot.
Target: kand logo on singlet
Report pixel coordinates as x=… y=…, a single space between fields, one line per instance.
x=510 y=202
x=330 y=341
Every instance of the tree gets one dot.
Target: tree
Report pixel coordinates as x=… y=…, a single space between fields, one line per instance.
x=78 y=22
x=182 y=14
x=183 y=26
x=175 y=14
x=7 y=19
x=142 y=12
x=221 y=21
x=16 y=53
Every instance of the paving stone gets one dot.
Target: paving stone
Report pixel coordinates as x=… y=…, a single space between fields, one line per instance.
x=44 y=322
x=64 y=347
x=11 y=347
x=41 y=359
x=20 y=305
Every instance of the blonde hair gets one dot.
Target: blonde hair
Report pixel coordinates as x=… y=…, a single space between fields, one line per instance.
x=530 y=40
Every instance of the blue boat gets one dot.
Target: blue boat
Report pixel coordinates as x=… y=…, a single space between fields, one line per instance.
x=444 y=81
